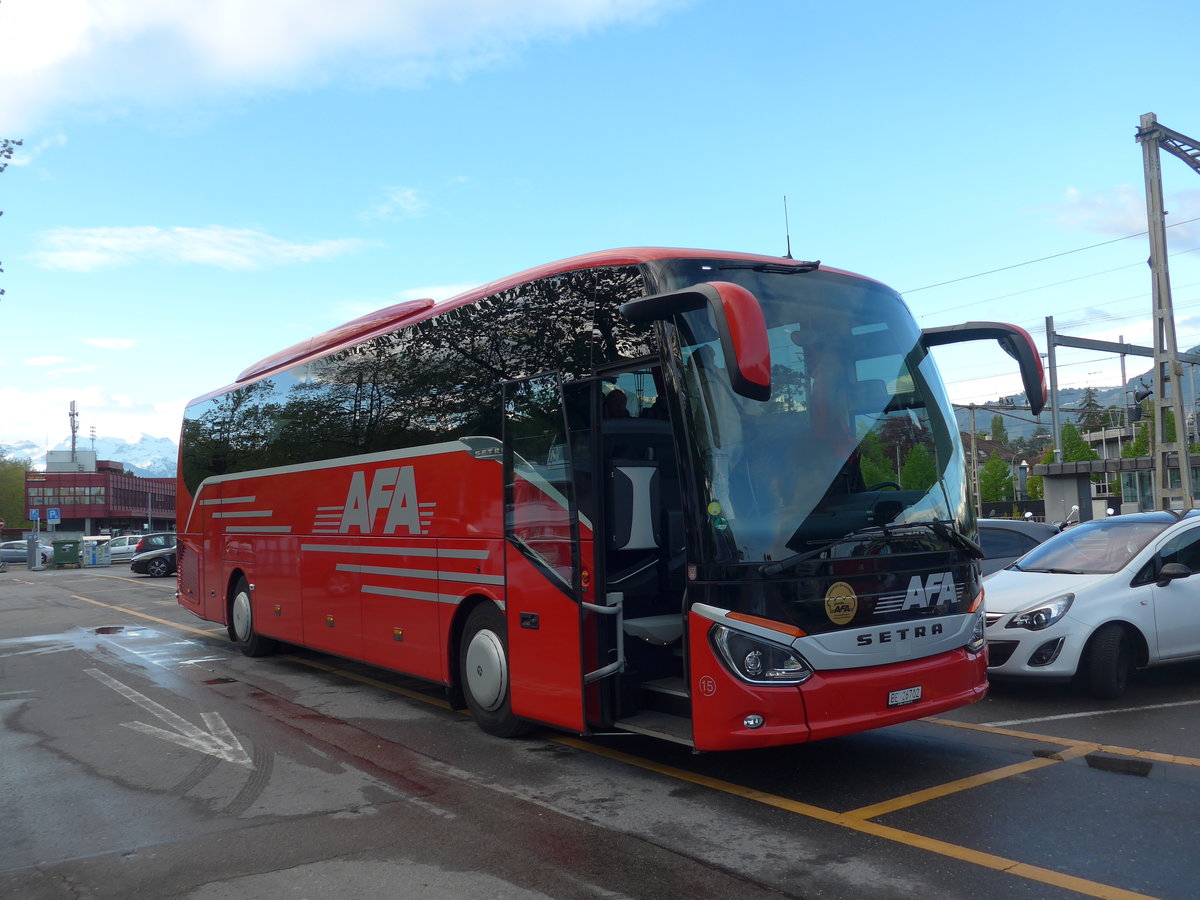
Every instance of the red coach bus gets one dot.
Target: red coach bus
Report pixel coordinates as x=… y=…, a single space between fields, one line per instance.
x=646 y=490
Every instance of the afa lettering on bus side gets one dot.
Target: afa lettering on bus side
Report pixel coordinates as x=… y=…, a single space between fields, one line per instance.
x=393 y=490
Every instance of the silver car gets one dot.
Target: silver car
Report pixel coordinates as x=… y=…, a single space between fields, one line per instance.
x=17 y=552
x=126 y=547
x=123 y=548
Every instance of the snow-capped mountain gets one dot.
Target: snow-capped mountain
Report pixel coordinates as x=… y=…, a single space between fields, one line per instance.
x=150 y=457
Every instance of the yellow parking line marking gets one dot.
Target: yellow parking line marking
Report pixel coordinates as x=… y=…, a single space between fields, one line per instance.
x=1049 y=739
x=854 y=823
x=142 y=615
x=966 y=784
x=856 y=820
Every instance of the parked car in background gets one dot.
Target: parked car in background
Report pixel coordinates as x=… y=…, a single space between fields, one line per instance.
x=17 y=552
x=123 y=548
x=155 y=563
x=1097 y=601
x=1005 y=540
x=129 y=545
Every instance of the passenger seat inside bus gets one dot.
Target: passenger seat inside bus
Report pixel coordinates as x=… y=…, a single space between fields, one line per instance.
x=644 y=548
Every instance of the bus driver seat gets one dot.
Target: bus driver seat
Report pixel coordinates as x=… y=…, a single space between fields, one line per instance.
x=635 y=551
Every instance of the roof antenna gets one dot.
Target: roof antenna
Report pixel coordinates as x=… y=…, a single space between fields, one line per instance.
x=787 y=229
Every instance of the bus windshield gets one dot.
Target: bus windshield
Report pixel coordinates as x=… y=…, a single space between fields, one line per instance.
x=858 y=431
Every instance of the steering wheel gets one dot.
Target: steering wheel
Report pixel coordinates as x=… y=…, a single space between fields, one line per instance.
x=885 y=484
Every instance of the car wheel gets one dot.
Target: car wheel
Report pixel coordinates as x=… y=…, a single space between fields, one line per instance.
x=1109 y=662
x=483 y=672
x=241 y=623
x=158 y=567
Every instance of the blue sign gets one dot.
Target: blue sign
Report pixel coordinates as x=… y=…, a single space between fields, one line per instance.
x=34 y=515
x=53 y=515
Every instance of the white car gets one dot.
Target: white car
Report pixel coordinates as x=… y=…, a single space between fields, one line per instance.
x=1098 y=600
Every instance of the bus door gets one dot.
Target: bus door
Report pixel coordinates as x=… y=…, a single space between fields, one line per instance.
x=542 y=573
x=639 y=547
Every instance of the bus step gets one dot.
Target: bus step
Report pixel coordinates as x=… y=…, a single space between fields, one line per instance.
x=674 y=686
x=666 y=695
x=663 y=726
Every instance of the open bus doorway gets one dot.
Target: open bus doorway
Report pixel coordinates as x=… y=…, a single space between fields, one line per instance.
x=634 y=497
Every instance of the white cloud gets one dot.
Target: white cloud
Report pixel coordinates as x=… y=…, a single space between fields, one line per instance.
x=40 y=415
x=28 y=154
x=87 y=249
x=1122 y=211
x=103 y=54
x=397 y=203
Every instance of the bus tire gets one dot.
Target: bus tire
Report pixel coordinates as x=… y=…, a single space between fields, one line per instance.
x=241 y=623
x=483 y=672
x=1109 y=662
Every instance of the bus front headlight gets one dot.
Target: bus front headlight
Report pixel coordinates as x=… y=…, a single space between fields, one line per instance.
x=756 y=660
x=978 y=634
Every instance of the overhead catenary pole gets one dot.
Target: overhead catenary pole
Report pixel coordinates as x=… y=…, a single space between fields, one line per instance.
x=975 y=468
x=1170 y=448
x=1052 y=365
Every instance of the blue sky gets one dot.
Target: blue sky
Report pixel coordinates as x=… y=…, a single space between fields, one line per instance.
x=204 y=183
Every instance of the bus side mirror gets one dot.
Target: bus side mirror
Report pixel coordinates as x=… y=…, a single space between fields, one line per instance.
x=1015 y=341
x=740 y=326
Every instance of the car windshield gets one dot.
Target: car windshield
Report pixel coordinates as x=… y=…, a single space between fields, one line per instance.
x=1099 y=547
x=857 y=432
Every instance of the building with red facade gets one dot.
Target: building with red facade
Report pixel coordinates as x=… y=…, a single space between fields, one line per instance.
x=97 y=496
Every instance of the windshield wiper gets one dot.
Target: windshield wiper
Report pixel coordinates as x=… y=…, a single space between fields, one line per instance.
x=941 y=529
x=1056 y=571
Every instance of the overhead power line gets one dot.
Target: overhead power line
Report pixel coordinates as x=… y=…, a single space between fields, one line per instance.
x=1030 y=262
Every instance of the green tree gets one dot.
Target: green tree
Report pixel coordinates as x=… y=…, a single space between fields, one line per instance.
x=995 y=480
x=1091 y=415
x=1074 y=447
x=999 y=432
x=875 y=460
x=1034 y=485
x=12 y=493
x=1140 y=445
x=919 y=472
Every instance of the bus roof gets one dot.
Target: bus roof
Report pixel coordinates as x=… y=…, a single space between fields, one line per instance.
x=412 y=311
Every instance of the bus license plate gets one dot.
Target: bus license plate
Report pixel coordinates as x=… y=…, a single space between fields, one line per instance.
x=904 y=697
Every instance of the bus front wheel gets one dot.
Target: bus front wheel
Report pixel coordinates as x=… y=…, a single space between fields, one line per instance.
x=483 y=671
x=241 y=623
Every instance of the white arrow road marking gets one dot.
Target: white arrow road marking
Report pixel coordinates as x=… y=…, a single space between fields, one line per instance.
x=218 y=741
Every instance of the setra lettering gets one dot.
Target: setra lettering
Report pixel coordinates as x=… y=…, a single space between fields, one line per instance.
x=912 y=633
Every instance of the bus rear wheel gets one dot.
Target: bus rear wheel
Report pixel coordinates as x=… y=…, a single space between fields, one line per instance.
x=241 y=623
x=483 y=672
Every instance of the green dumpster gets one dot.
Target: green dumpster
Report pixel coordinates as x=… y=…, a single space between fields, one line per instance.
x=66 y=553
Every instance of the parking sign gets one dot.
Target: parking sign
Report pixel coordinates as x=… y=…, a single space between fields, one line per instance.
x=53 y=515
x=34 y=515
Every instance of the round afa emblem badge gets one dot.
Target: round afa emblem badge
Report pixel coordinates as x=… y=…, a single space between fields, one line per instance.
x=841 y=603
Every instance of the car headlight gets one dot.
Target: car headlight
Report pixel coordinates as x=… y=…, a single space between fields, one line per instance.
x=758 y=661
x=1043 y=615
